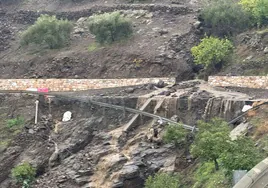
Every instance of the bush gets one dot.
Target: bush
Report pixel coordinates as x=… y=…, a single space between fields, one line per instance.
x=225 y=17
x=212 y=52
x=175 y=134
x=241 y=155
x=258 y=9
x=206 y=177
x=109 y=27
x=17 y=122
x=161 y=180
x=49 y=31
x=24 y=174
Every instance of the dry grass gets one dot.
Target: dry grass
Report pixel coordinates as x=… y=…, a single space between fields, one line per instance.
x=261 y=130
x=259 y=119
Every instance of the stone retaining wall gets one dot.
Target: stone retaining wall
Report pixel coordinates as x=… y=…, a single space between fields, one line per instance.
x=75 y=84
x=29 y=17
x=239 y=81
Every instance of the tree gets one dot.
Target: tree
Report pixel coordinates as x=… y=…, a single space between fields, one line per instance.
x=211 y=51
x=161 y=180
x=241 y=155
x=211 y=140
x=225 y=17
x=175 y=133
x=24 y=174
x=110 y=27
x=49 y=31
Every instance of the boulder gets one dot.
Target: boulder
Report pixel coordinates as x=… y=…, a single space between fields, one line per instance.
x=265 y=50
x=161 y=84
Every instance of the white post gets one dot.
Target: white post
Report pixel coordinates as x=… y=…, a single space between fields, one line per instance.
x=36 y=111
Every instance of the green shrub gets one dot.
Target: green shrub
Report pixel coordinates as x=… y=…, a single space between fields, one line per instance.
x=48 y=31
x=16 y=122
x=206 y=177
x=212 y=51
x=241 y=155
x=211 y=140
x=174 y=133
x=23 y=174
x=225 y=17
x=109 y=27
x=161 y=180
x=258 y=9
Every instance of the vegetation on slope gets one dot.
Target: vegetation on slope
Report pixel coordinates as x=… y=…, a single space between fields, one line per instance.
x=24 y=174
x=48 y=31
x=217 y=154
x=160 y=180
x=110 y=27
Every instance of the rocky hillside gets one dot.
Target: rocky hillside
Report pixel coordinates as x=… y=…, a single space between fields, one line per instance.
x=163 y=35
x=100 y=147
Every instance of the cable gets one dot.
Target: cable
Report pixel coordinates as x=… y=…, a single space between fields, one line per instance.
x=245 y=113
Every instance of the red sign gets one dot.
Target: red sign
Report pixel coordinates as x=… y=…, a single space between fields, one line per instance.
x=42 y=90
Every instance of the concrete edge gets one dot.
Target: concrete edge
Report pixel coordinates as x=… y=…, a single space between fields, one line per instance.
x=253 y=175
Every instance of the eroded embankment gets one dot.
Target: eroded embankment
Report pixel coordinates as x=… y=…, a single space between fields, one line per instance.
x=105 y=147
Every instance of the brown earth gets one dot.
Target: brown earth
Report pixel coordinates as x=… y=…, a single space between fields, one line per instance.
x=163 y=35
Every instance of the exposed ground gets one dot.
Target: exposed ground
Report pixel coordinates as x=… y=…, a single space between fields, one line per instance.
x=94 y=150
x=161 y=42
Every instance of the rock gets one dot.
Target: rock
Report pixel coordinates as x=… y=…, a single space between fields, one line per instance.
x=129 y=171
x=81 y=20
x=150 y=86
x=248 y=58
x=54 y=160
x=197 y=24
x=167 y=93
x=79 y=31
x=117 y=184
x=265 y=50
x=129 y=90
x=76 y=166
x=160 y=84
x=31 y=131
x=149 y=15
x=85 y=172
x=163 y=32
x=172 y=90
x=175 y=118
x=82 y=180
x=62 y=179
x=161 y=93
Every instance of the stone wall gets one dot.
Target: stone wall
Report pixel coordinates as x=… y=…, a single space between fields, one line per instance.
x=239 y=81
x=75 y=84
x=29 y=17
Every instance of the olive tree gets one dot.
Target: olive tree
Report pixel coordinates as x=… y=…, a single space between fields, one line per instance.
x=48 y=31
x=110 y=27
